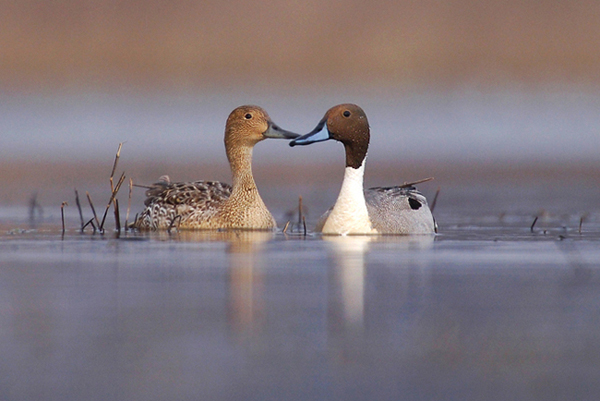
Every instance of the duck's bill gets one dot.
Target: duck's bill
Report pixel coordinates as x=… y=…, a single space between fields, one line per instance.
x=274 y=131
x=317 y=135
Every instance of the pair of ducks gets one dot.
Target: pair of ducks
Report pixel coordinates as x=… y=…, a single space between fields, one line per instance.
x=216 y=205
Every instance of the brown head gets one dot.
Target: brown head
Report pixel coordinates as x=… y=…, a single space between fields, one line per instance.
x=248 y=125
x=346 y=123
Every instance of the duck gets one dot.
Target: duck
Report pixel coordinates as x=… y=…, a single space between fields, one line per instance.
x=214 y=205
x=381 y=210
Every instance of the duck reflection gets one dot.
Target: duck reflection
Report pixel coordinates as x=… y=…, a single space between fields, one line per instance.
x=348 y=254
x=245 y=306
x=236 y=240
x=245 y=309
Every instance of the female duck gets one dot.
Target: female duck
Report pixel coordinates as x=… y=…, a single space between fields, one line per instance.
x=390 y=210
x=216 y=205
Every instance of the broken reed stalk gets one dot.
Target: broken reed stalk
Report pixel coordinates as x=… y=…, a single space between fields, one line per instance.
x=112 y=174
x=112 y=198
x=35 y=211
x=79 y=209
x=117 y=217
x=62 y=215
x=533 y=224
x=93 y=210
x=304 y=225
x=286 y=227
x=580 y=224
x=128 y=204
x=90 y=222
x=299 y=209
x=435 y=198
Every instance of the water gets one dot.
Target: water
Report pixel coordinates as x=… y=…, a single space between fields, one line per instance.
x=487 y=309
x=494 y=307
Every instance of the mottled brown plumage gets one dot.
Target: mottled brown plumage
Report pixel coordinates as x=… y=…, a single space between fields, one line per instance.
x=212 y=204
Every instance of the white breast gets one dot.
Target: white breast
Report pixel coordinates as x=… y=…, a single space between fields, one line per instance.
x=349 y=214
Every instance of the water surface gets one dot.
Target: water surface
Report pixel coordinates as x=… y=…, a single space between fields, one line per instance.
x=487 y=309
x=494 y=307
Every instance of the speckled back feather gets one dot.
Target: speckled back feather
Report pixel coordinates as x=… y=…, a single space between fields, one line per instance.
x=178 y=203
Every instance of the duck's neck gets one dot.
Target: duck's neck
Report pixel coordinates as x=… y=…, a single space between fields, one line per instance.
x=245 y=208
x=349 y=214
x=240 y=161
x=244 y=190
x=352 y=192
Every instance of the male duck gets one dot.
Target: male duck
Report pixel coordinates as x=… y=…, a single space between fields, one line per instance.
x=216 y=205
x=389 y=210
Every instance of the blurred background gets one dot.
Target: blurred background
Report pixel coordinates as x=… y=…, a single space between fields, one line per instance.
x=467 y=91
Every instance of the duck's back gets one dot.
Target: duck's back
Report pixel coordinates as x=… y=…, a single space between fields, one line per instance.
x=394 y=210
x=185 y=204
x=399 y=210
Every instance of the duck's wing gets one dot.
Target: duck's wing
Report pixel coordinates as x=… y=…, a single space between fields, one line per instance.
x=197 y=194
x=402 y=197
x=399 y=210
x=165 y=202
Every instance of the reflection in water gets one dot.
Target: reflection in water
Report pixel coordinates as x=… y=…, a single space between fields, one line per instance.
x=349 y=254
x=352 y=285
x=245 y=276
x=236 y=239
x=245 y=305
x=212 y=316
x=349 y=257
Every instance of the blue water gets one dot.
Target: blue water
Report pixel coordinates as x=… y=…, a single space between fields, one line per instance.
x=494 y=307
x=487 y=309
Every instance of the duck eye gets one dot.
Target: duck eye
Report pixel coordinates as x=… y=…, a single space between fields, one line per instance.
x=248 y=116
x=346 y=113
